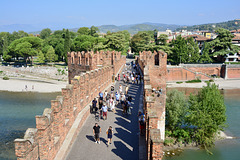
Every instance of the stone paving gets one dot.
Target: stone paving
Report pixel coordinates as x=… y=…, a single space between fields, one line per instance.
x=125 y=138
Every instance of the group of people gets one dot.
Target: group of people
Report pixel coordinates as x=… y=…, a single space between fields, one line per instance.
x=107 y=101
x=97 y=130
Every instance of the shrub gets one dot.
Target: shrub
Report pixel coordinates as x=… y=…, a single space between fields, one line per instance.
x=211 y=80
x=179 y=82
x=1 y=72
x=194 y=81
x=5 y=78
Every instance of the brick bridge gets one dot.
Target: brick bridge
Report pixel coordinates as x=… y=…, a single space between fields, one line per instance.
x=89 y=73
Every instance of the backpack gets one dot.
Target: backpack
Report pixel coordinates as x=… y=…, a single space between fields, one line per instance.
x=142 y=123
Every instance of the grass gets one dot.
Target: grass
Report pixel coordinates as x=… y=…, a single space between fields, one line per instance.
x=179 y=82
x=194 y=81
x=5 y=78
x=1 y=72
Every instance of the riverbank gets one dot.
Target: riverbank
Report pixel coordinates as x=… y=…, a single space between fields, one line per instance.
x=31 y=85
x=223 y=84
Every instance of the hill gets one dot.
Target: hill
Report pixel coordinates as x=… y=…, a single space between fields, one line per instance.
x=230 y=25
x=134 y=28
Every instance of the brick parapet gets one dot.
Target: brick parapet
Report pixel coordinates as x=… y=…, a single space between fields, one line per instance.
x=55 y=122
x=154 y=66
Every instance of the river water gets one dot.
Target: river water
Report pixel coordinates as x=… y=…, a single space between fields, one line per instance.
x=17 y=113
x=226 y=149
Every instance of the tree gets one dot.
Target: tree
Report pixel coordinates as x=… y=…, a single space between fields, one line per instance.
x=83 y=43
x=45 y=33
x=193 y=50
x=25 y=50
x=205 y=58
x=179 y=49
x=176 y=109
x=142 y=41
x=162 y=39
x=93 y=31
x=207 y=113
x=50 y=55
x=83 y=31
x=222 y=45
x=67 y=44
x=25 y=47
x=41 y=58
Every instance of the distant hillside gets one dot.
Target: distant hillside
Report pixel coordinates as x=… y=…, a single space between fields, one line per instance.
x=230 y=25
x=134 y=28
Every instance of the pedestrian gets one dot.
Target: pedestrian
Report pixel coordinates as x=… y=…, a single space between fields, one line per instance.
x=117 y=96
x=100 y=104
x=118 y=77
x=100 y=95
x=94 y=105
x=126 y=90
x=112 y=105
x=124 y=106
x=104 y=110
x=96 y=132
x=120 y=88
x=141 y=121
x=105 y=95
x=109 y=133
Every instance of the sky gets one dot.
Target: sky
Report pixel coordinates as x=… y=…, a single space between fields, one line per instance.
x=78 y=13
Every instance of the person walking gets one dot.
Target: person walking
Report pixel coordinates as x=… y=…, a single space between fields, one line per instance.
x=109 y=133
x=96 y=132
x=126 y=90
x=94 y=105
x=104 y=110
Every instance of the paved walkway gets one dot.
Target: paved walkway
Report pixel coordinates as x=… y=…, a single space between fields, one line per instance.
x=125 y=139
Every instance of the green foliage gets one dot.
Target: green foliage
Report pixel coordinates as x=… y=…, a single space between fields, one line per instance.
x=194 y=81
x=205 y=57
x=222 y=45
x=207 y=112
x=197 y=120
x=41 y=58
x=50 y=55
x=142 y=41
x=118 y=41
x=179 y=49
x=45 y=33
x=67 y=44
x=176 y=109
x=179 y=82
x=193 y=50
x=5 y=78
x=83 y=31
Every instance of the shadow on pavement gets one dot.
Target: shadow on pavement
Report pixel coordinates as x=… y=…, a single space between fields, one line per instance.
x=91 y=138
x=123 y=151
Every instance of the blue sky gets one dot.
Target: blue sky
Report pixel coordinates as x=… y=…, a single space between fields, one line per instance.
x=77 y=13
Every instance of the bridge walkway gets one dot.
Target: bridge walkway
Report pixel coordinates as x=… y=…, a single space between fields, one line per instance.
x=125 y=138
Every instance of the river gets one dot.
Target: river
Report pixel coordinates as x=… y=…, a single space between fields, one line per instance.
x=17 y=113
x=225 y=149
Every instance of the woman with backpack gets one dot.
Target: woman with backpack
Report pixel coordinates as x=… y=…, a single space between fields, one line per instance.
x=109 y=133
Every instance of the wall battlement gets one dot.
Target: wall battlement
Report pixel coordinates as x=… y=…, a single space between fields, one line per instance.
x=154 y=67
x=80 y=62
x=54 y=124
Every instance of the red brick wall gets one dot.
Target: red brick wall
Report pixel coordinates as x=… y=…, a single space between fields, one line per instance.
x=80 y=62
x=53 y=125
x=202 y=71
x=154 y=106
x=181 y=74
x=233 y=73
